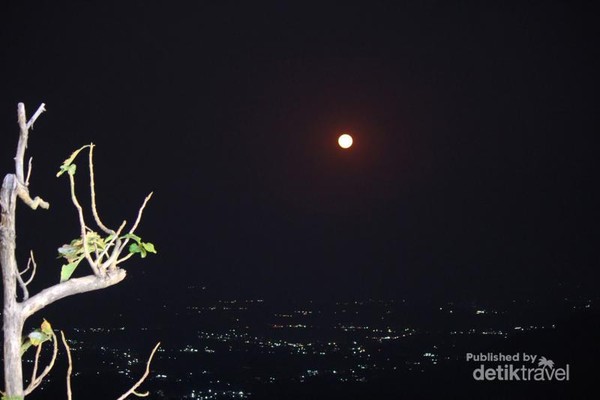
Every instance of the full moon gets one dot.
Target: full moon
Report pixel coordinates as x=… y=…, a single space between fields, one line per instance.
x=345 y=141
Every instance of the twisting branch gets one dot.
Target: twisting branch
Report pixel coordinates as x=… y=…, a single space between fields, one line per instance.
x=93 y=193
x=37 y=380
x=70 y=368
x=30 y=262
x=32 y=203
x=142 y=379
x=23 y=284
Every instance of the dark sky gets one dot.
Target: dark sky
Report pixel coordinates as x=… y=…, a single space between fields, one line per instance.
x=474 y=171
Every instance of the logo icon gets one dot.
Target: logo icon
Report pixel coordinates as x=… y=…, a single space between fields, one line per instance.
x=544 y=362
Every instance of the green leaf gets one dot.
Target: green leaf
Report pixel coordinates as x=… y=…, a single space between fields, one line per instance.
x=69 y=251
x=95 y=241
x=149 y=247
x=142 y=248
x=74 y=251
x=135 y=248
x=38 y=337
x=68 y=269
x=46 y=328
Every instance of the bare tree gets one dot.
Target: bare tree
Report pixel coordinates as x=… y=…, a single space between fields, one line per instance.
x=103 y=252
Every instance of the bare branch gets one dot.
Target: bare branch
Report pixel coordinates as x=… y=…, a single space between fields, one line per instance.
x=82 y=225
x=39 y=112
x=123 y=259
x=142 y=379
x=140 y=212
x=38 y=351
x=23 y=287
x=135 y=225
x=20 y=280
x=26 y=268
x=93 y=193
x=68 y=288
x=37 y=380
x=29 y=169
x=22 y=144
x=23 y=137
x=30 y=262
x=70 y=369
x=22 y=190
x=23 y=193
x=116 y=252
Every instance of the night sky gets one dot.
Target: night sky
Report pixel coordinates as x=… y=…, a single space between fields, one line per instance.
x=474 y=173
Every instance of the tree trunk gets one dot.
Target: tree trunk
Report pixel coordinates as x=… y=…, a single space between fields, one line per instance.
x=13 y=371
x=13 y=320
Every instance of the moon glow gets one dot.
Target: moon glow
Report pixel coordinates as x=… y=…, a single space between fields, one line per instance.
x=345 y=141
